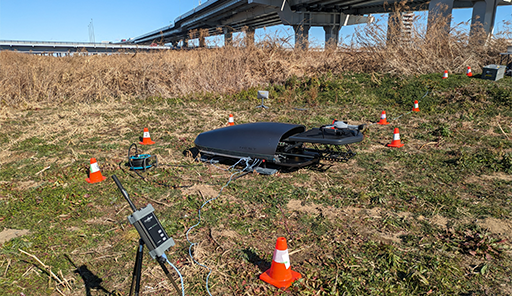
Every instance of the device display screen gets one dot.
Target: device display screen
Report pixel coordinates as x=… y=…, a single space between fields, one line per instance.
x=155 y=230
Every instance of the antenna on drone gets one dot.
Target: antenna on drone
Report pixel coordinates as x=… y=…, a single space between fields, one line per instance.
x=91 y=32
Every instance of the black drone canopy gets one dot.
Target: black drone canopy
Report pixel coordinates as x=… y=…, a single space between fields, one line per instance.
x=280 y=143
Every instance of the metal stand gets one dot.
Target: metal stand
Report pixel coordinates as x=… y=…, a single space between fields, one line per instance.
x=262 y=95
x=262 y=106
x=137 y=271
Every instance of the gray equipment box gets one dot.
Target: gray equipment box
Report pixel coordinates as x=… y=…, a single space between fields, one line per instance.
x=493 y=72
x=151 y=231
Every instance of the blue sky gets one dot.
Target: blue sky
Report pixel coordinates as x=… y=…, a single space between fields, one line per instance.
x=113 y=20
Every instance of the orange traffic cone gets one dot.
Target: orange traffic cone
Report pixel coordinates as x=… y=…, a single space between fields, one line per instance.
x=383 y=119
x=445 y=75
x=95 y=174
x=416 y=107
x=396 y=140
x=146 y=138
x=468 y=72
x=231 y=120
x=280 y=274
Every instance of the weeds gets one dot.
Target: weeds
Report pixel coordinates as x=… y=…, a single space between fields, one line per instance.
x=30 y=81
x=475 y=243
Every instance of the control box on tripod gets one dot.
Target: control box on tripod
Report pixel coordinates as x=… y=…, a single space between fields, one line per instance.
x=151 y=231
x=152 y=234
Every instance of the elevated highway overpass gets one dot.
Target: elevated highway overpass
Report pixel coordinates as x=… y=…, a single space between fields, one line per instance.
x=67 y=48
x=217 y=17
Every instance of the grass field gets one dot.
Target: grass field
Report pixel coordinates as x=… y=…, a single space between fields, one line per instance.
x=431 y=218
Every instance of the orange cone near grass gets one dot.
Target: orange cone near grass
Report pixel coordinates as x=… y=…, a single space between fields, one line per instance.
x=383 y=119
x=468 y=72
x=280 y=274
x=396 y=140
x=231 y=120
x=94 y=173
x=445 y=75
x=146 y=138
x=416 y=107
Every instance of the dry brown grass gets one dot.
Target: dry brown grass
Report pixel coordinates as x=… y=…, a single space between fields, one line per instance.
x=433 y=50
x=28 y=80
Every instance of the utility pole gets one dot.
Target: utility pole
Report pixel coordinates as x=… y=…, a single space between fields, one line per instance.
x=91 y=32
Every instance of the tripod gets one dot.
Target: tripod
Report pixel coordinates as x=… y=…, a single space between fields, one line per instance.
x=151 y=233
x=137 y=270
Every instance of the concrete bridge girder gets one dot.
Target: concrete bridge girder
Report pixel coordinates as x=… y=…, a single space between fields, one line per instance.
x=208 y=14
x=248 y=14
x=302 y=21
x=328 y=14
x=331 y=22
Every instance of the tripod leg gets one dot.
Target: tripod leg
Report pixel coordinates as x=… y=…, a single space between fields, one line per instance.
x=166 y=271
x=137 y=269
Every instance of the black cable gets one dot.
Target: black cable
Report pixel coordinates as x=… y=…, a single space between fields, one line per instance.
x=142 y=163
x=150 y=181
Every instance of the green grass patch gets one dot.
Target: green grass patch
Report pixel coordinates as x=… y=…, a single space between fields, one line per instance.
x=430 y=218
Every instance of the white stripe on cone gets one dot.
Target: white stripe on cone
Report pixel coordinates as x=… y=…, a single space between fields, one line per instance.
x=396 y=137
x=282 y=257
x=416 y=106
x=146 y=135
x=383 y=116
x=94 y=167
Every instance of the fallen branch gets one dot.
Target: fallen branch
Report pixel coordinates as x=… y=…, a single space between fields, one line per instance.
x=46 y=168
x=7 y=268
x=45 y=267
x=502 y=130
x=28 y=270
x=60 y=292
x=122 y=209
x=429 y=143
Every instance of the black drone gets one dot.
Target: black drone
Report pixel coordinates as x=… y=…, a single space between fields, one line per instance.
x=281 y=144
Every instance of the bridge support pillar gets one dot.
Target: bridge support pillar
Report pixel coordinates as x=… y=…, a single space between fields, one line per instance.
x=228 y=36
x=202 y=41
x=249 y=36
x=301 y=36
x=439 y=16
x=332 y=36
x=484 y=16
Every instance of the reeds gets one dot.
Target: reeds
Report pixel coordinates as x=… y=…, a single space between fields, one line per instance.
x=429 y=50
x=26 y=80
